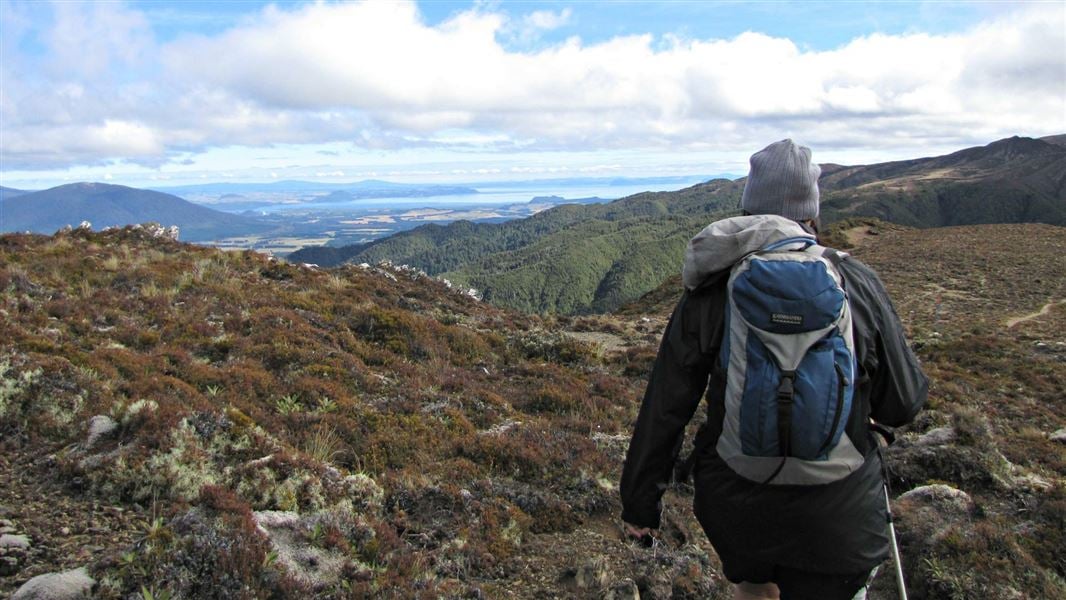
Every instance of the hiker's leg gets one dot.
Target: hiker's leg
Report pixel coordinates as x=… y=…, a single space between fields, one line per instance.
x=755 y=591
x=803 y=585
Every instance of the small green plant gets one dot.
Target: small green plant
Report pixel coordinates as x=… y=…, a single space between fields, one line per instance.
x=288 y=404
x=326 y=404
x=128 y=559
x=213 y=390
x=156 y=530
x=147 y=594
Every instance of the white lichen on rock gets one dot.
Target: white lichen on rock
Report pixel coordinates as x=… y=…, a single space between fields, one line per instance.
x=67 y=585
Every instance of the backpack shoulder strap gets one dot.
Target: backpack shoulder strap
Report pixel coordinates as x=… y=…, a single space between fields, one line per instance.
x=808 y=242
x=835 y=256
x=831 y=254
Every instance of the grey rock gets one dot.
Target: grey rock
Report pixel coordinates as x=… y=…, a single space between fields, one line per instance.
x=940 y=494
x=286 y=531
x=936 y=437
x=18 y=542
x=1032 y=483
x=67 y=585
x=1058 y=436
x=100 y=426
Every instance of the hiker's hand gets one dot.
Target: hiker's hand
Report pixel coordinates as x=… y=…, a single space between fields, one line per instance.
x=639 y=534
x=883 y=435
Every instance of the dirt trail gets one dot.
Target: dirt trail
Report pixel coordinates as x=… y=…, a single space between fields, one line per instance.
x=857 y=235
x=1043 y=311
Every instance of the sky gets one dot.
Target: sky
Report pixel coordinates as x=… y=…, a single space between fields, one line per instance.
x=156 y=93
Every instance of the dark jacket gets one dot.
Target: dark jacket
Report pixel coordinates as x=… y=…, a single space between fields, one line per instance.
x=834 y=528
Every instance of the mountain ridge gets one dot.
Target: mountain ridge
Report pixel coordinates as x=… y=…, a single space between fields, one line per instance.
x=104 y=204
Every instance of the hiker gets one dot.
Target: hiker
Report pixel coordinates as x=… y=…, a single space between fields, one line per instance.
x=787 y=512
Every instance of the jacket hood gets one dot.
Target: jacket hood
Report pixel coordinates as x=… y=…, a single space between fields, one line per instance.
x=723 y=243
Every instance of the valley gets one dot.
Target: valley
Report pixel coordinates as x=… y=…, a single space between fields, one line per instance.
x=595 y=258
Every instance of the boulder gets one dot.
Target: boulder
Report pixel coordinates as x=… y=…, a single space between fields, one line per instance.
x=70 y=585
x=1058 y=436
x=941 y=496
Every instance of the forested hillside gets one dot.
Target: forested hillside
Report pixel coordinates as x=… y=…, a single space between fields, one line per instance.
x=569 y=259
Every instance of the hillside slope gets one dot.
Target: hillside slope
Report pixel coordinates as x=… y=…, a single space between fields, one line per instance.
x=114 y=205
x=1015 y=180
x=280 y=431
x=414 y=440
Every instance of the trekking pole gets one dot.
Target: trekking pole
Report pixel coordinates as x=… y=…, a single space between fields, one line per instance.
x=895 y=549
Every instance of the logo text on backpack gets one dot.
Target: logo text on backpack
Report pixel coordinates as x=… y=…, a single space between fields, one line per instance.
x=784 y=319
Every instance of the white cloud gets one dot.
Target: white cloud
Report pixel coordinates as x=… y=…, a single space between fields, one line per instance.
x=374 y=74
x=88 y=38
x=529 y=29
x=546 y=20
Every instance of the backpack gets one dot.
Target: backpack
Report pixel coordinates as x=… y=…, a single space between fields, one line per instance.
x=789 y=357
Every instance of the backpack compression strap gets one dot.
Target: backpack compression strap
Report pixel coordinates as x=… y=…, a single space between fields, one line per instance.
x=785 y=396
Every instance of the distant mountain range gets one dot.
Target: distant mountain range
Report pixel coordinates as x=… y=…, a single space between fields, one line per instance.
x=577 y=259
x=103 y=204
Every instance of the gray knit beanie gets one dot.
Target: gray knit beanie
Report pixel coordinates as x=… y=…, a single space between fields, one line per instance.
x=783 y=181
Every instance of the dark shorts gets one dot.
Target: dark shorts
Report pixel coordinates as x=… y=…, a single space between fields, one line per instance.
x=816 y=543
x=794 y=584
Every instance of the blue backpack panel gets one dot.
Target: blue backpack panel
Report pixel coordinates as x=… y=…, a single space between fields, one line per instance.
x=789 y=357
